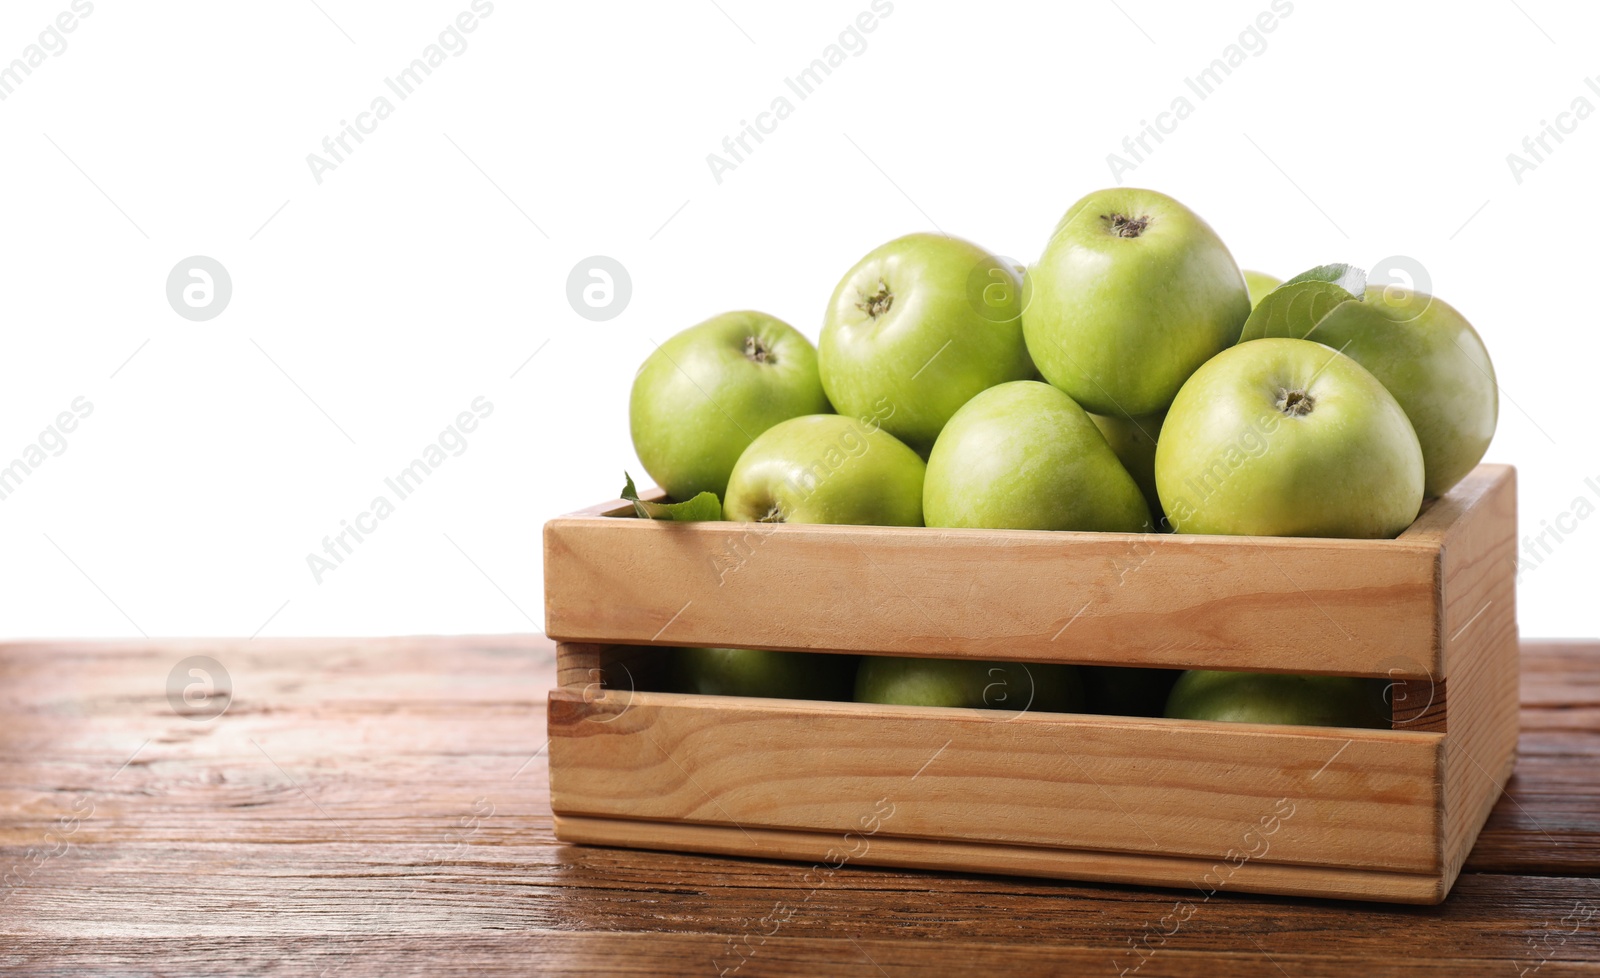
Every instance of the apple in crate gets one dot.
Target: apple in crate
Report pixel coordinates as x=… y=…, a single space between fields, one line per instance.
x=1134 y=442
x=1259 y=697
x=1037 y=687
x=826 y=468
x=918 y=327
x=1432 y=361
x=1283 y=437
x=1132 y=294
x=759 y=672
x=1259 y=284
x=701 y=397
x=1024 y=456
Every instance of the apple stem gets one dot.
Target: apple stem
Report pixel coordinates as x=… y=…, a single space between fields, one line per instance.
x=1295 y=403
x=878 y=303
x=1126 y=227
x=757 y=351
x=772 y=515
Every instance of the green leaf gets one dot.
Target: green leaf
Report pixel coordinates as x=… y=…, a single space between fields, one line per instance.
x=1348 y=277
x=1294 y=309
x=702 y=507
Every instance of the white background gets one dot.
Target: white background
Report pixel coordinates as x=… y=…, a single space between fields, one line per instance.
x=424 y=270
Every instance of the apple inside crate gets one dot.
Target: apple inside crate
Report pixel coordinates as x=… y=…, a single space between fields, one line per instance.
x=1386 y=815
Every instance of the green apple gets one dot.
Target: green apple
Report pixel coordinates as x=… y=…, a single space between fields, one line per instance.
x=1259 y=697
x=1259 y=284
x=1134 y=441
x=915 y=329
x=1283 y=437
x=1132 y=294
x=1433 y=362
x=1127 y=691
x=703 y=395
x=1024 y=456
x=826 y=468
x=976 y=683
x=758 y=672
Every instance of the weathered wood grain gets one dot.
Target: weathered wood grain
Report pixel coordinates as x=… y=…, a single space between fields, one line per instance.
x=243 y=875
x=608 y=953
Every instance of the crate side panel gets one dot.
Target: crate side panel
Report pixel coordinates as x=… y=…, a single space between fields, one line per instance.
x=1285 y=605
x=1359 y=799
x=1483 y=657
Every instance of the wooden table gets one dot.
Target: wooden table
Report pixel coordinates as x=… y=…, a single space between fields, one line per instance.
x=380 y=807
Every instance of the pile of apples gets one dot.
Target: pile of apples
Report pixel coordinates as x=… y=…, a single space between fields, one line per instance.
x=1134 y=379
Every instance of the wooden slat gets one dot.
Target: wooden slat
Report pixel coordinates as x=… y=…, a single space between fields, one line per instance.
x=1350 y=607
x=1481 y=653
x=1361 y=798
x=1183 y=602
x=825 y=849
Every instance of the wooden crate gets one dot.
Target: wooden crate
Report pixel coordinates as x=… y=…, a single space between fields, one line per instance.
x=1331 y=812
